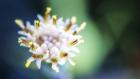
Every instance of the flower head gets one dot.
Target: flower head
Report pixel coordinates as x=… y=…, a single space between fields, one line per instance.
x=50 y=39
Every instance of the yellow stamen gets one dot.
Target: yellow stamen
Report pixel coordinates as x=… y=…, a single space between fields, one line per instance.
x=32 y=46
x=37 y=23
x=68 y=27
x=54 y=17
x=48 y=10
x=37 y=56
x=73 y=20
x=19 y=23
x=63 y=54
x=81 y=27
x=54 y=60
x=27 y=64
x=74 y=33
x=74 y=42
x=30 y=43
x=72 y=63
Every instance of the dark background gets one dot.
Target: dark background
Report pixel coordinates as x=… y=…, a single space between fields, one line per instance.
x=123 y=58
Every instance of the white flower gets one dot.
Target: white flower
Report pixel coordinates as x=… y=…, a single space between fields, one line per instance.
x=50 y=39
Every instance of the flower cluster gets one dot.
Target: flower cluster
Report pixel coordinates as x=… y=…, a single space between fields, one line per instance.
x=50 y=39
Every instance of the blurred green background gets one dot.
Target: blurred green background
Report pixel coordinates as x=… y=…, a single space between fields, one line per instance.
x=111 y=49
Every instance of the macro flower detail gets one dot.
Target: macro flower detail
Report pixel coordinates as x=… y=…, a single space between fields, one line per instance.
x=50 y=39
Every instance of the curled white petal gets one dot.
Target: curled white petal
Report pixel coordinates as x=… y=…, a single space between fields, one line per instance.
x=38 y=63
x=71 y=62
x=40 y=18
x=55 y=67
x=62 y=61
x=75 y=49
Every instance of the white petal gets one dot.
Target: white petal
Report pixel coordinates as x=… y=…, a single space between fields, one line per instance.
x=58 y=44
x=62 y=61
x=29 y=26
x=49 y=18
x=73 y=28
x=38 y=51
x=60 y=23
x=20 y=38
x=67 y=21
x=46 y=56
x=64 y=48
x=71 y=62
x=48 y=61
x=78 y=36
x=22 y=33
x=72 y=54
x=75 y=49
x=54 y=51
x=81 y=27
x=55 y=67
x=81 y=41
x=25 y=34
x=31 y=59
x=38 y=63
x=50 y=38
x=50 y=45
x=40 y=18
x=44 y=46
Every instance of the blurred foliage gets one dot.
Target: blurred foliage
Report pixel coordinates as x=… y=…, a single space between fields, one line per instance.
x=95 y=48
